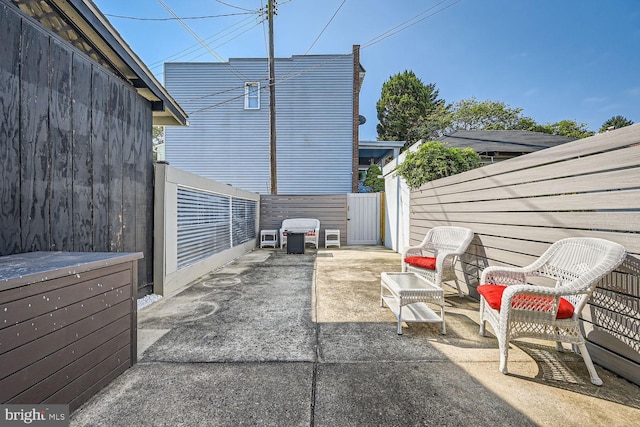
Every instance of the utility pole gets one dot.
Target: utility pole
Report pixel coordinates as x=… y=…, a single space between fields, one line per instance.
x=272 y=104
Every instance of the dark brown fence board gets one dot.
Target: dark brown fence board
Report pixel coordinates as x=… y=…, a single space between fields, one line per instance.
x=44 y=377
x=42 y=319
x=60 y=133
x=133 y=318
x=16 y=359
x=102 y=382
x=82 y=199
x=25 y=291
x=117 y=346
x=35 y=158
x=9 y=131
x=90 y=378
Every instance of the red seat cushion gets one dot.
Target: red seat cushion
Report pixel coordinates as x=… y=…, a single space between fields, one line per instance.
x=421 y=261
x=493 y=295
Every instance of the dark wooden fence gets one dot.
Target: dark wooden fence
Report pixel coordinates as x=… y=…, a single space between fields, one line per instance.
x=331 y=210
x=517 y=208
x=76 y=161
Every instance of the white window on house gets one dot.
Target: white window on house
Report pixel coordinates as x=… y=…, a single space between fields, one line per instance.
x=252 y=96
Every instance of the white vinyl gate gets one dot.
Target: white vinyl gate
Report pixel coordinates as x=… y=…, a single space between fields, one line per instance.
x=363 y=219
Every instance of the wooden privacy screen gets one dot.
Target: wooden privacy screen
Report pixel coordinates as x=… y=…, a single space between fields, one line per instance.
x=331 y=210
x=517 y=208
x=67 y=324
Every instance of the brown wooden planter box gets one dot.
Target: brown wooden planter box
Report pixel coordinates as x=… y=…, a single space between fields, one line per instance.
x=67 y=324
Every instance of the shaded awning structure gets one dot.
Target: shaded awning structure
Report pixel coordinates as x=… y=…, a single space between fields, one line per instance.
x=373 y=152
x=81 y=23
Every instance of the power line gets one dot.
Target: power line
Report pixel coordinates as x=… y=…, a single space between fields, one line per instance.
x=319 y=35
x=403 y=26
x=210 y=39
x=190 y=31
x=325 y=27
x=227 y=41
x=264 y=30
x=391 y=32
x=205 y=45
x=233 y=6
x=137 y=18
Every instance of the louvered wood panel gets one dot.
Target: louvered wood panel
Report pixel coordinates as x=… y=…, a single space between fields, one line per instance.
x=209 y=223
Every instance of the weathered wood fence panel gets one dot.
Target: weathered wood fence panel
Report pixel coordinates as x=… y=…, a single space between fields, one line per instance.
x=76 y=164
x=331 y=210
x=517 y=208
x=10 y=238
x=60 y=138
x=35 y=155
x=82 y=161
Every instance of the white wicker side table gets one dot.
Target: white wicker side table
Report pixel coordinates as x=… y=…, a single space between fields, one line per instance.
x=268 y=238
x=331 y=237
x=408 y=296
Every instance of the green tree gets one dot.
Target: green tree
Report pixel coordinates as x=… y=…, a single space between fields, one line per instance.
x=569 y=128
x=616 y=122
x=471 y=114
x=527 y=123
x=405 y=104
x=373 y=180
x=434 y=160
x=434 y=125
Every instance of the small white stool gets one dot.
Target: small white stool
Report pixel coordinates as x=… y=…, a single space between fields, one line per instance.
x=331 y=237
x=268 y=238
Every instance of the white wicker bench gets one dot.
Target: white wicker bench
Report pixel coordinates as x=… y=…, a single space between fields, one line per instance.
x=310 y=226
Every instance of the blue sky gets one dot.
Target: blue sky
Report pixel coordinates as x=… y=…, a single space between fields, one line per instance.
x=556 y=59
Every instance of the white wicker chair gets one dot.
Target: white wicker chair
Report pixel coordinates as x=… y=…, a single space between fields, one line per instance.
x=525 y=310
x=445 y=244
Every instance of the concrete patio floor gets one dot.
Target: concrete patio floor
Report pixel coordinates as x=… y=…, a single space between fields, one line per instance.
x=300 y=340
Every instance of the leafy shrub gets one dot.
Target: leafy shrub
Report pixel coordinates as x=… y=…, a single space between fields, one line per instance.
x=372 y=181
x=434 y=160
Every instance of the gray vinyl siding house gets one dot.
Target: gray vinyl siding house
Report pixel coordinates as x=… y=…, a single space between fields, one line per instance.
x=227 y=139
